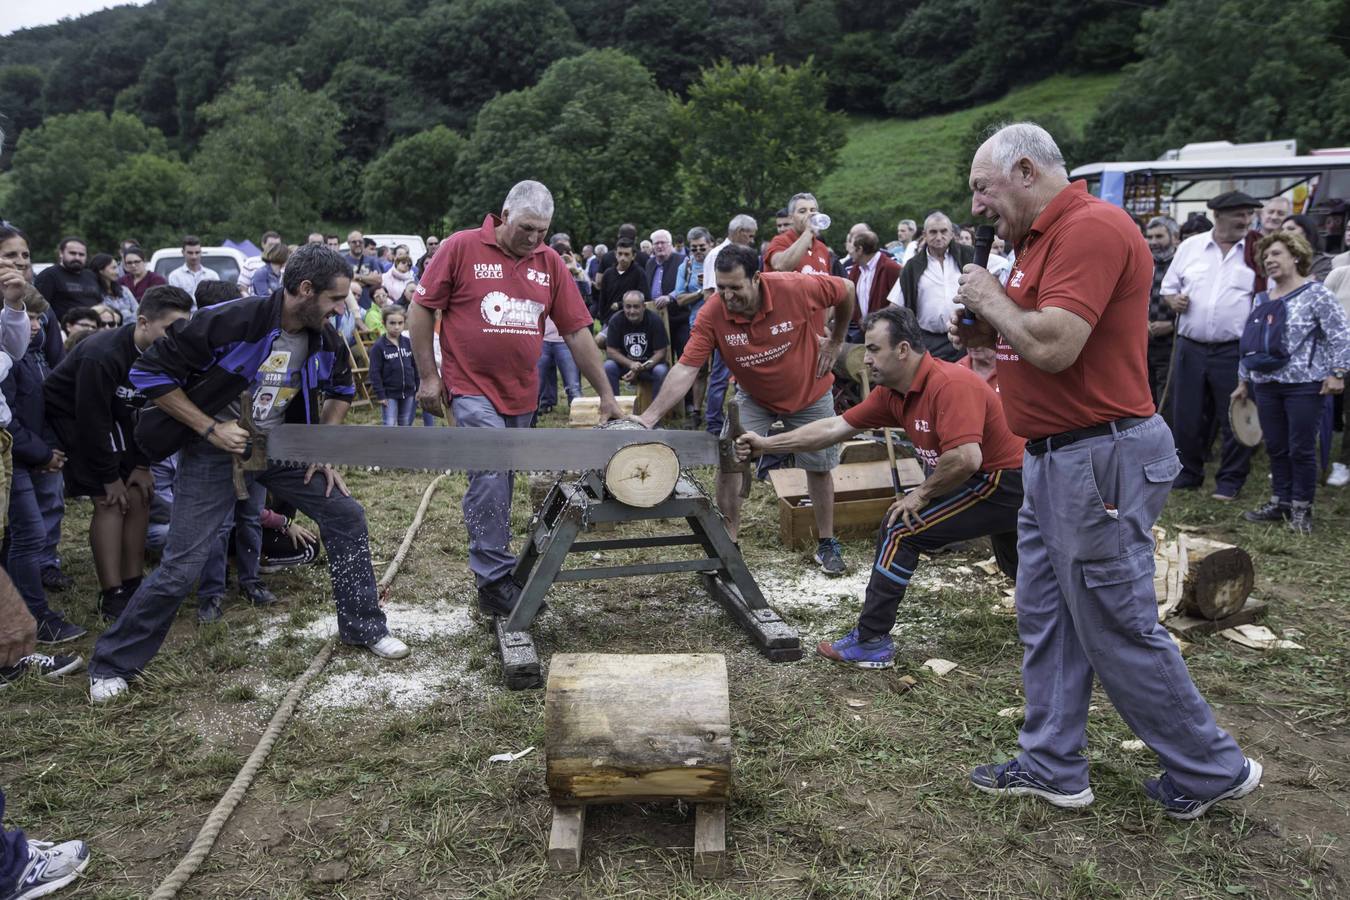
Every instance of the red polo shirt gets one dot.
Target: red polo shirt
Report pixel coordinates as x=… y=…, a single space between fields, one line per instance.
x=1087 y=256
x=947 y=405
x=773 y=354
x=815 y=261
x=991 y=379
x=492 y=330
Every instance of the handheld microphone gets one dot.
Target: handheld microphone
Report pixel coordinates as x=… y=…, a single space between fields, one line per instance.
x=984 y=242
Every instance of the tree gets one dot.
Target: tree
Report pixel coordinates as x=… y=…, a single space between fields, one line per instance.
x=56 y=163
x=266 y=157
x=145 y=196
x=20 y=100
x=470 y=50
x=595 y=129
x=1245 y=71
x=751 y=136
x=412 y=184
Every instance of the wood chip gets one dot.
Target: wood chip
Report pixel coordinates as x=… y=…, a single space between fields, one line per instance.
x=939 y=667
x=856 y=703
x=1258 y=637
x=988 y=566
x=1011 y=712
x=1133 y=746
x=908 y=681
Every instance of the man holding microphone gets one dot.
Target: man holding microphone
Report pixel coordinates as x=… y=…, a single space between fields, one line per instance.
x=1071 y=341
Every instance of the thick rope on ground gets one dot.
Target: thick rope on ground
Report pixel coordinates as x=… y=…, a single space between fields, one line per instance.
x=215 y=822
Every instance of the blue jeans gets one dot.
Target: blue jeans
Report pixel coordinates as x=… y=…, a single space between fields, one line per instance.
x=27 y=543
x=1290 y=415
x=487 y=502
x=1202 y=378
x=13 y=854
x=202 y=496
x=656 y=375
x=1086 y=606
x=719 y=376
x=557 y=358
x=50 y=490
x=399 y=410
x=245 y=520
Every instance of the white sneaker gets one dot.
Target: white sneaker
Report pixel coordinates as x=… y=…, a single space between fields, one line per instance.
x=50 y=867
x=1340 y=475
x=101 y=690
x=389 y=647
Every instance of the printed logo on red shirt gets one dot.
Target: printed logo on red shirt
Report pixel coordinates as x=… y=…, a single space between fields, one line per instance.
x=922 y=425
x=511 y=312
x=486 y=270
x=738 y=339
x=539 y=278
x=1016 y=280
x=780 y=328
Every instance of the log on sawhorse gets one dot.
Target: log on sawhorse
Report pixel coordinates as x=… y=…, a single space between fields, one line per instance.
x=570 y=508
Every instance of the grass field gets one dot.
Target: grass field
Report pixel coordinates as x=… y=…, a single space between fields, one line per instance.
x=847 y=784
x=896 y=168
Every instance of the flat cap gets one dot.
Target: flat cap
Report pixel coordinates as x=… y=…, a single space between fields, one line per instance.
x=1234 y=200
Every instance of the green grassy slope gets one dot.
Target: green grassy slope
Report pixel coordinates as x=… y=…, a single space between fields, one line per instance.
x=895 y=168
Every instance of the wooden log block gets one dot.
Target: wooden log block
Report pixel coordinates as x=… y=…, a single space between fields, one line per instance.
x=1218 y=578
x=585 y=411
x=642 y=475
x=710 y=839
x=622 y=727
x=1192 y=626
x=565 y=837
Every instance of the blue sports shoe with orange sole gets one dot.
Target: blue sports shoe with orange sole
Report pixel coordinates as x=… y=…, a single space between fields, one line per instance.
x=874 y=653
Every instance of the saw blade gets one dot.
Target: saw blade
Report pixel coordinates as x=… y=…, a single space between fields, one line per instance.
x=475 y=449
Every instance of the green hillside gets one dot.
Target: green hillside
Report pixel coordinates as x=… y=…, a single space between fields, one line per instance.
x=896 y=168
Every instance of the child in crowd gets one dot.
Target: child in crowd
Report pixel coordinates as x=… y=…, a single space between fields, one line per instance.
x=373 y=321
x=397 y=279
x=35 y=504
x=91 y=407
x=393 y=377
x=78 y=324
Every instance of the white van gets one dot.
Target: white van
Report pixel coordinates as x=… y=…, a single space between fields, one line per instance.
x=417 y=247
x=226 y=261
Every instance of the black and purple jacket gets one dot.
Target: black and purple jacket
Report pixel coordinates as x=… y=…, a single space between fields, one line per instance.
x=216 y=356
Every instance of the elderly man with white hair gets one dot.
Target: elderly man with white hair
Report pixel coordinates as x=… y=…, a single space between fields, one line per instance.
x=1071 y=339
x=487 y=374
x=927 y=284
x=662 y=273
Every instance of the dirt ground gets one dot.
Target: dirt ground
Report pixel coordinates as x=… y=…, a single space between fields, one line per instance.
x=846 y=783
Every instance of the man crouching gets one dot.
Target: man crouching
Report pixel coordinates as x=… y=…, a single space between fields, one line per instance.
x=283 y=349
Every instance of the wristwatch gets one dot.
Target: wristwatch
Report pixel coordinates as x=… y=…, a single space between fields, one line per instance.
x=1338 y=373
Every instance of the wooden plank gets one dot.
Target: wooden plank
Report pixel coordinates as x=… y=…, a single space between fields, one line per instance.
x=710 y=839
x=860 y=451
x=851 y=479
x=1190 y=626
x=565 y=837
x=852 y=519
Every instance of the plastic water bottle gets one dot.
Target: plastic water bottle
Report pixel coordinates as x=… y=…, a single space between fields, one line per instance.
x=819 y=221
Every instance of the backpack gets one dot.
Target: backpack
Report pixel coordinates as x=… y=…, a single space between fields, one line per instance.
x=1262 y=347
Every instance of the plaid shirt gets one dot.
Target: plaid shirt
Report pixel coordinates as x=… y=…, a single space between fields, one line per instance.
x=1158 y=311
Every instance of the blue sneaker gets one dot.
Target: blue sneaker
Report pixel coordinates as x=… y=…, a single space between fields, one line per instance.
x=830 y=557
x=876 y=653
x=1009 y=778
x=1179 y=806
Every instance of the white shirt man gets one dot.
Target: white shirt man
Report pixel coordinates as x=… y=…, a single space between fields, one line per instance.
x=192 y=273
x=1219 y=287
x=867 y=271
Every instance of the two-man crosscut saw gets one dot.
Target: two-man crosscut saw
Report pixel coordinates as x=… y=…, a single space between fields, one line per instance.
x=472 y=449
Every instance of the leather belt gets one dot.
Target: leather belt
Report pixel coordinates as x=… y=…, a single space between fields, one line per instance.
x=1064 y=439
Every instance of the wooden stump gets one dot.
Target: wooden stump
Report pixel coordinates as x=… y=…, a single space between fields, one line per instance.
x=642 y=475
x=1218 y=578
x=621 y=727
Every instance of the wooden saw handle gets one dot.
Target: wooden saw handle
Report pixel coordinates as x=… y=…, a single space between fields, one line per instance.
x=237 y=460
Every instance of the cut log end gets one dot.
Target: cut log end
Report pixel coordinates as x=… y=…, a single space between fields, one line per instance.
x=1218 y=579
x=642 y=475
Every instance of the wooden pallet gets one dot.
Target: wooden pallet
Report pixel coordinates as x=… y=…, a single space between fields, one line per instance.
x=710 y=838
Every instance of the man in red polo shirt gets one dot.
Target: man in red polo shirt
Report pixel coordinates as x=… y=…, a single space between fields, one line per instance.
x=496 y=285
x=1072 y=355
x=974 y=466
x=799 y=249
x=768 y=328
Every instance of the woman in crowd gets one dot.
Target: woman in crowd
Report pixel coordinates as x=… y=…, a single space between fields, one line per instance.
x=115 y=294
x=268 y=277
x=1291 y=389
x=107 y=316
x=139 y=277
x=1305 y=227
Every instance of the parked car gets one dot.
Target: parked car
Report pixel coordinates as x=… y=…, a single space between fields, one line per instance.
x=225 y=260
x=417 y=247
